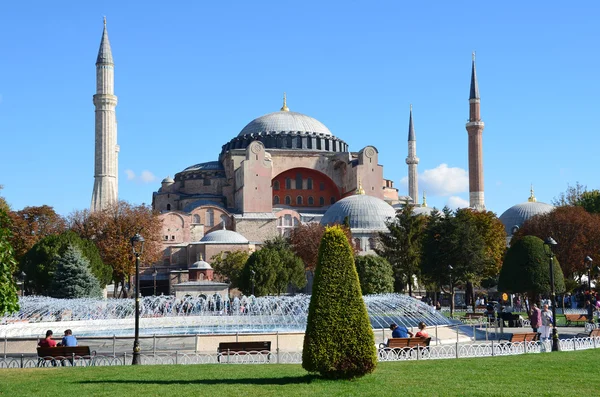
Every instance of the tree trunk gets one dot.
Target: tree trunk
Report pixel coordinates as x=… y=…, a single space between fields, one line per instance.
x=451 y=302
x=409 y=286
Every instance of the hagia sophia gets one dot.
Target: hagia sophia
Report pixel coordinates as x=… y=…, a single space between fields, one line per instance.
x=282 y=169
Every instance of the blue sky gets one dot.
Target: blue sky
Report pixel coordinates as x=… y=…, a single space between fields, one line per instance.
x=190 y=75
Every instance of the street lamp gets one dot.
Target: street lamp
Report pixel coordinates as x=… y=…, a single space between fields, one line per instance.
x=137 y=244
x=23 y=275
x=588 y=264
x=154 y=274
x=253 y=274
x=551 y=243
x=450 y=268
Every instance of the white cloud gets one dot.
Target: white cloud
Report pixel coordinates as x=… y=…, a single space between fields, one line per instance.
x=130 y=175
x=455 y=202
x=147 y=176
x=444 y=181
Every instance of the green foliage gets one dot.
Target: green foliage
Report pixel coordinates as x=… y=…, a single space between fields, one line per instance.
x=9 y=302
x=590 y=201
x=526 y=269
x=73 y=278
x=230 y=265
x=272 y=270
x=375 y=274
x=339 y=340
x=39 y=262
x=401 y=246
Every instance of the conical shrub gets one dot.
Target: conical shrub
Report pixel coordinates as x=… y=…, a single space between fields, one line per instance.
x=339 y=341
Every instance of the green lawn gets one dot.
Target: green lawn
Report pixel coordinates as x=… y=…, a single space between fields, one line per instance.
x=548 y=374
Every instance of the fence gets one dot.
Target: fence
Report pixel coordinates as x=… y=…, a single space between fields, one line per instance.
x=448 y=351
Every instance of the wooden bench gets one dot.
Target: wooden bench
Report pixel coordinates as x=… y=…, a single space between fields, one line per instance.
x=240 y=348
x=472 y=316
x=524 y=337
x=62 y=353
x=595 y=333
x=575 y=318
x=403 y=346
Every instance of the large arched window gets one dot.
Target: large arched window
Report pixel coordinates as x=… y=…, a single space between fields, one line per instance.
x=309 y=184
x=288 y=183
x=275 y=200
x=210 y=218
x=276 y=185
x=196 y=218
x=299 y=181
x=288 y=200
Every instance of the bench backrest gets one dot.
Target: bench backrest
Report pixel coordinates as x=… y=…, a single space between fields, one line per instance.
x=63 y=351
x=244 y=346
x=595 y=333
x=575 y=317
x=394 y=343
x=471 y=315
x=525 y=337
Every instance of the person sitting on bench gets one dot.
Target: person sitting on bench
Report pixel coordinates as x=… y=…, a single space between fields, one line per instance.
x=47 y=341
x=422 y=333
x=400 y=331
x=68 y=339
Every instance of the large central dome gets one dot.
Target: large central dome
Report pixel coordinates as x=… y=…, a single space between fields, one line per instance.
x=285 y=121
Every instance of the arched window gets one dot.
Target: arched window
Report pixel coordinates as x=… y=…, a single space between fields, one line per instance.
x=275 y=200
x=168 y=207
x=357 y=244
x=210 y=218
x=311 y=201
x=299 y=200
x=372 y=243
x=276 y=186
x=321 y=200
x=309 y=185
x=223 y=220
x=287 y=220
x=288 y=183
x=299 y=181
x=288 y=200
x=289 y=142
x=196 y=218
x=332 y=201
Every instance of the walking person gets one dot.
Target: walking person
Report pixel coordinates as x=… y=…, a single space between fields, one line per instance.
x=535 y=318
x=546 y=325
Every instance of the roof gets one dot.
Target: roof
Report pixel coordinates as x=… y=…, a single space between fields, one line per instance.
x=518 y=214
x=411 y=128
x=224 y=237
x=200 y=265
x=285 y=121
x=104 y=53
x=474 y=94
x=208 y=166
x=364 y=213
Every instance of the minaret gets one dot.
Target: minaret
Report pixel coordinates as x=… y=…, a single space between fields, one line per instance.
x=475 y=130
x=412 y=160
x=106 y=149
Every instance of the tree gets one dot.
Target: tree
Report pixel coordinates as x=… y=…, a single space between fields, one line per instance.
x=32 y=224
x=375 y=274
x=305 y=239
x=230 y=264
x=111 y=230
x=401 y=246
x=9 y=302
x=576 y=231
x=337 y=304
x=73 y=278
x=571 y=196
x=3 y=204
x=39 y=262
x=590 y=201
x=526 y=269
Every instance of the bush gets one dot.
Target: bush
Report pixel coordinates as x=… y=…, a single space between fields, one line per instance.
x=73 y=277
x=339 y=341
x=9 y=301
x=375 y=274
x=526 y=269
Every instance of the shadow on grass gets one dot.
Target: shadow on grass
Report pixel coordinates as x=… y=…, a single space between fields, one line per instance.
x=286 y=380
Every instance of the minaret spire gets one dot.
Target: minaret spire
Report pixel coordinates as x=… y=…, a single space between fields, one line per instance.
x=475 y=129
x=412 y=160
x=106 y=171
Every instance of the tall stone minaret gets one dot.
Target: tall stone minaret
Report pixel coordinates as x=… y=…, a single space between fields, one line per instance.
x=106 y=149
x=412 y=160
x=475 y=130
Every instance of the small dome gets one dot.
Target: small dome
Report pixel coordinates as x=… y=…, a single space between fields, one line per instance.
x=208 y=166
x=168 y=180
x=285 y=121
x=224 y=237
x=364 y=212
x=518 y=214
x=423 y=210
x=200 y=265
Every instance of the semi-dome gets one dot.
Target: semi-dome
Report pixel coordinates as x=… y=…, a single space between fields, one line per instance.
x=364 y=213
x=518 y=214
x=200 y=265
x=285 y=121
x=224 y=237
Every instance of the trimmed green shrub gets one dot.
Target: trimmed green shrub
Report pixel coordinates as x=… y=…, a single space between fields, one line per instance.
x=9 y=301
x=73 y=277
x=375 y=274
x=339 y=341
x=526 y=269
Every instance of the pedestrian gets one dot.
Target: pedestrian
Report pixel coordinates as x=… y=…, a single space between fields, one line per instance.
x=546 y=323
x=535 y=318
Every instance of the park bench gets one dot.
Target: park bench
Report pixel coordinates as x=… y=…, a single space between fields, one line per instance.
x=241 y=348
x=595 y=333
x=575 y=318
x=402 y=346
x=62 y=353
x=523 y=337
x=471 y=317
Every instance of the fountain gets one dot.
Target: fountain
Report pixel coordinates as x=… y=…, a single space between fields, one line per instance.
x=168 y=315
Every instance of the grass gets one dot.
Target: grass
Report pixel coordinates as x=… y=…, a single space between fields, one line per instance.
x=547 y=374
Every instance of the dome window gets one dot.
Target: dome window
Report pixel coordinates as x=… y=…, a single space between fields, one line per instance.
x=196 y=218
x=210 y=218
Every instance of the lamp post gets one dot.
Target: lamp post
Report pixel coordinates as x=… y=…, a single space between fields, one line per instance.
x=450 y=268
x=253 y=274
x=23 y=275
x=588 y=264
x=137 y=244
x=154 y=274
x=551 y=243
